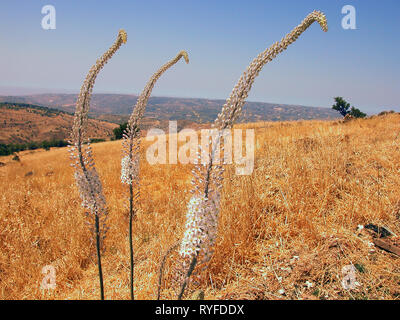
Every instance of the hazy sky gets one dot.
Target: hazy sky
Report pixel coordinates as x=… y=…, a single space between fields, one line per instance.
x=221 y=37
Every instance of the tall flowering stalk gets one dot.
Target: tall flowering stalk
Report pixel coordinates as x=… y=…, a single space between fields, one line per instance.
x=131 y=146
x=203 y=208
x=87 y=179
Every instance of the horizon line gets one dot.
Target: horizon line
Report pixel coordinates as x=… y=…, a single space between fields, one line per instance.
x=70 y=92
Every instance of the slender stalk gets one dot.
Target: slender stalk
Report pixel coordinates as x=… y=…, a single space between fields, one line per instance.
x=131 y=143
x=99 y=257
x=131 y=214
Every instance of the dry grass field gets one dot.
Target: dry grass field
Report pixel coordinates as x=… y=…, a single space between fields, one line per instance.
x=285 y=232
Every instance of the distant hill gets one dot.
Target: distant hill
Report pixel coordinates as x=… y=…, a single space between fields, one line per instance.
x=22 y=122
x=116 y=108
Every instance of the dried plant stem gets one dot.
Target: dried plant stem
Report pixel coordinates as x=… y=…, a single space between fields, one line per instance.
x=87 y=179
x=162 y=265
x=212 y=174
x=130 y=167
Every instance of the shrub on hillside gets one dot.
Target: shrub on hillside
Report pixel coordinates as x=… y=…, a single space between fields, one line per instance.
x=345 y=109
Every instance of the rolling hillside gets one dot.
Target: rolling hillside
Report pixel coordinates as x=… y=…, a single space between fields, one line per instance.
x=117 y=107
x=20 y=123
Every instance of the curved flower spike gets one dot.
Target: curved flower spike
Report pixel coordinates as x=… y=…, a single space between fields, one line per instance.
x=141 y=103
x=131 y=143
x=86 y=176
x=233 y=106
x=206 y=199
x=83 y=102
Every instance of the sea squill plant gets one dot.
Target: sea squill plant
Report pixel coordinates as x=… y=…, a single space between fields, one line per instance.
x=203 y=209
x=131 y=146
x=87 y=179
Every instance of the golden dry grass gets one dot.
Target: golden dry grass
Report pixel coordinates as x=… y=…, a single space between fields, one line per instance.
x=314 y=182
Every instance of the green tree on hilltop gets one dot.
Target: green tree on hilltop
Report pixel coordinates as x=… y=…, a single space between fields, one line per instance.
x=344 y=108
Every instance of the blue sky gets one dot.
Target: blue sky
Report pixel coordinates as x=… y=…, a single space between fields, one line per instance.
x=221 y=37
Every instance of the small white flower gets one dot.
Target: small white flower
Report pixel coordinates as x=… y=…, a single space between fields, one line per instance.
x=201 y=226
x=91 y=190
x=129 y=168
x=281 y=291
x=309 y=284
